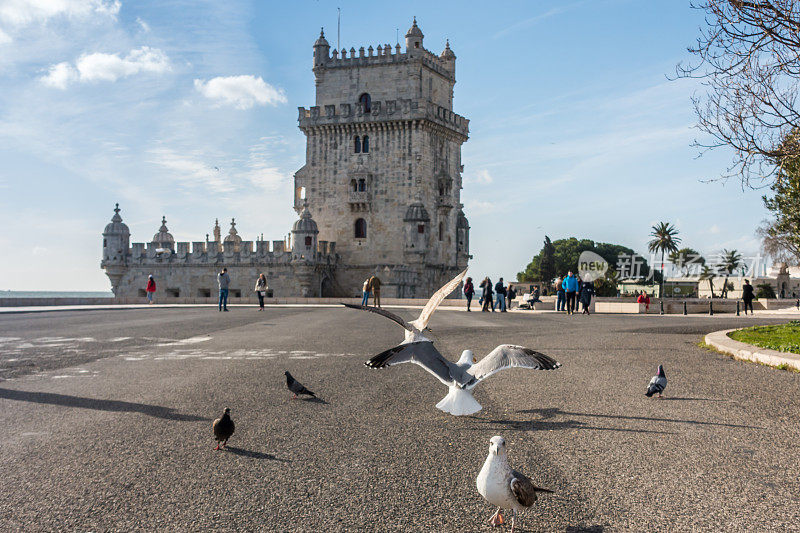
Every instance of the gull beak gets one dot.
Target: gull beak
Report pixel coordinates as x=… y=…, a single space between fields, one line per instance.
x=474 y=359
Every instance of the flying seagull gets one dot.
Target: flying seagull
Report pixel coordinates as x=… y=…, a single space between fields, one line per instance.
x=503 y=486
x=460 y=377
x=296 y=387
x=223 y=428
x=657 y=384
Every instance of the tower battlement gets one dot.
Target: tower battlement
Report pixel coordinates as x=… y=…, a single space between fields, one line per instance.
x=385 y=55
x=402 y=109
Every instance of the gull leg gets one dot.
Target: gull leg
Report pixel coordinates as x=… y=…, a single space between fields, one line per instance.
x=217 y=448
x=497 y=518
x=513 y=519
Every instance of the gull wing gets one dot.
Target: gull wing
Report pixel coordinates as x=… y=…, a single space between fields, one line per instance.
x=381 y=311
x=424 y=317
x=510 y=356
x=523 y=489
x=422 y=353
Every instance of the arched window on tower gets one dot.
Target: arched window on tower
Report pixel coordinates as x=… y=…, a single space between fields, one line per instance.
x=441 y=231
x=365 y=144
x=361 y=229
x=366 y=102
x=309 y=241
x=354 y=185
x=362 y=185
x=357 y=144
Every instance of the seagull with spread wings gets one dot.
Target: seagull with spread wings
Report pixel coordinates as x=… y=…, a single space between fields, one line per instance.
x=460 y=377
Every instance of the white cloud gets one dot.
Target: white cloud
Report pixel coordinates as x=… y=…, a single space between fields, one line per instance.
x=145 y=26
x=16 y=14
x=242 y=92
x=107 y=67
x=481 y=177
x=189 y=169
x=480 y=207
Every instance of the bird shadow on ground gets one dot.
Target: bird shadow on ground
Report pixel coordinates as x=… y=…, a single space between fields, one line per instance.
x=254 y=455
x=585 y=529
x=315 y=400
x=99 y=405
x=551 y=412
x=544 y=425
x=673 y=398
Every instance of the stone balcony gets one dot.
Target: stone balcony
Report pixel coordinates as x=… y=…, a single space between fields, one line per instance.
x=359 y=201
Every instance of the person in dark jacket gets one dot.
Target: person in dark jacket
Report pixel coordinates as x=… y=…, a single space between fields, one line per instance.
x=500 y=289
x=510 y=295
x=585 y=297
x=570 y=285
x=488 y=301
x=469 y=291
x=747 y=296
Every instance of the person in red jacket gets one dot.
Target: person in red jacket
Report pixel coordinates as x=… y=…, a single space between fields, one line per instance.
x=644 y=299
x=151 y=288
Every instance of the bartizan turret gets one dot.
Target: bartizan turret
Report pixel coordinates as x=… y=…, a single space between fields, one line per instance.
x=116 y=241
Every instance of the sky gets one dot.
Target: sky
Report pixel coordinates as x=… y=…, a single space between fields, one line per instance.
x=188 y=109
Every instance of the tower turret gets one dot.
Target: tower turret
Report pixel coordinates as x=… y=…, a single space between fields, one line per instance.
x=116 y=240
x=321 y=49
x=449 y=58
x=163 y=239
x=304 y=237
x=414 y=38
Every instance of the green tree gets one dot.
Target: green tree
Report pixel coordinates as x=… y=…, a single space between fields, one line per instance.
x=781 y=235
x=731 y=260
x=708 y=273
x=664 y=240
x=547 y=261
x=684 y=258
x=765 y=290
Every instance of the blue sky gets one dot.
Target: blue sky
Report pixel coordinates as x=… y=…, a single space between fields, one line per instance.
x=575 y=128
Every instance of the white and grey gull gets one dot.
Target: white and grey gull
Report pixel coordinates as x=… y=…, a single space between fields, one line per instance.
x=504 y=487
x=460 y=377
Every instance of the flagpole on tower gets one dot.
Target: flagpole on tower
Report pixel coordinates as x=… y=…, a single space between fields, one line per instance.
x=338 y=27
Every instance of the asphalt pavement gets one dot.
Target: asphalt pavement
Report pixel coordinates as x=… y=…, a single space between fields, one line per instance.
x=108 y=424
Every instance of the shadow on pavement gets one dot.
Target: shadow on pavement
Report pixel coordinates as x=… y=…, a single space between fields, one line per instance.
x=672 y=398
x=315 y=400
x=543 y=425
x=585 y=529
x=254 y=455
x=551 y=412
x=100 y=405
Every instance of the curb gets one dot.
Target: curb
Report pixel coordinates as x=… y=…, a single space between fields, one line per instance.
x=747 y=352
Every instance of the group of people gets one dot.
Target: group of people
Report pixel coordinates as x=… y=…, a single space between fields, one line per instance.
x=571 y=291
x=371 y=287
x=497 y=296
x=223 y=282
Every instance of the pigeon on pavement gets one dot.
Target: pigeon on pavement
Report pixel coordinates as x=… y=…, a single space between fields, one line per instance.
x=296 y=387
x=503 y=486
x=223 y=428
x=657 y=384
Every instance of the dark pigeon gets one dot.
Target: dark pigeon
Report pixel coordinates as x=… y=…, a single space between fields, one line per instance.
x=296 y=387
x=658 y=383
x=223 y=428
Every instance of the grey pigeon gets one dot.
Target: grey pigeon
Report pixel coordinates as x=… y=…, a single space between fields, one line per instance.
x=296 y=387
x=223 y=428
x=657 y=384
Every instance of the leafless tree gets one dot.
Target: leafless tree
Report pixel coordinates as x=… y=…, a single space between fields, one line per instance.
x=748 y=56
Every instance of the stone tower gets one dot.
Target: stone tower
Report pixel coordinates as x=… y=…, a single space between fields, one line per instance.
x=116 y=240
x=383 y=165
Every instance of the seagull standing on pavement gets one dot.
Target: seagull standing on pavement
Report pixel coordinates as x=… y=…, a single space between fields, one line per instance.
x=460 y=377
x=503 y=486
x=657 y=384
x=223 y=428
x=296 y=387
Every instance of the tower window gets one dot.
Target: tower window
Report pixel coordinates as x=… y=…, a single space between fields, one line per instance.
x=308 y=241
x=366 y=102
x=365 y=144
x=354 y=185
x=441 y=231
x=104 y=243
x=361 y=229
x=362 y=185
x=357 y=144
x=420 y=228
x=416 y=44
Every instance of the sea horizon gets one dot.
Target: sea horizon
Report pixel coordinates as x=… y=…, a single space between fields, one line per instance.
x=55 y=294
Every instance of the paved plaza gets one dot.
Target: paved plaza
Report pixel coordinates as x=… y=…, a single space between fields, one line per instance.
x=108 y=424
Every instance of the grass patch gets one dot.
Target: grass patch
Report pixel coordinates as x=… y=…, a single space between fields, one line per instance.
x=782 y=338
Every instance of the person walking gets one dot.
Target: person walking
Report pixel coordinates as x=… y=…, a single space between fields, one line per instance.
x=375 y=287
x=224 y=281
x=500 y=289
x=587 y=290
x=510 y=295
x=261 y=290
x=560 y=295
x=365 y=292
x=150 y=288
x=747 y=296
x=570 y=285
x=469 y=291
x=488 y=300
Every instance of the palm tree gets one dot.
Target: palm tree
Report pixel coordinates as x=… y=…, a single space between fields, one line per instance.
x=708 y=273
x=731 y=259
x=664 y=240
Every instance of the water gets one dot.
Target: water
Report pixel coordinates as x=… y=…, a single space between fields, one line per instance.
x=56 y=294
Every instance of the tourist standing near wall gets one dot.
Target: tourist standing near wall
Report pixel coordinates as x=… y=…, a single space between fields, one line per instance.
x=224 y=281
x=469 y=291
x=151 y=288
x=365 y=292
x=560 y=294
x=261 y=290
x=375 y=287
